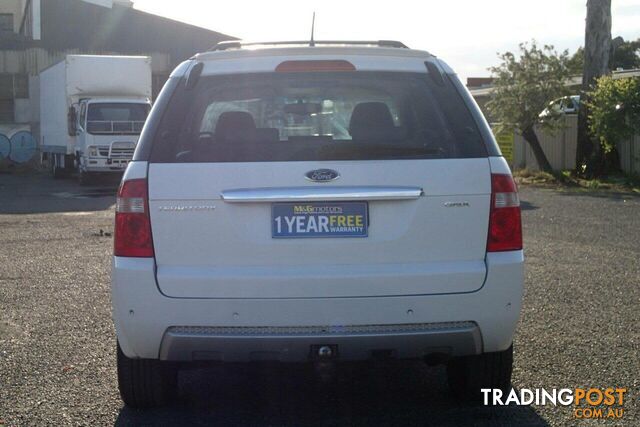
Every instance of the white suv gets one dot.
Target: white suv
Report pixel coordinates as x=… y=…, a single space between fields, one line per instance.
x=339 y=201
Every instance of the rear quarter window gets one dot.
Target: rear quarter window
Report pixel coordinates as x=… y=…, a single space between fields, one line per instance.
x=316 y=116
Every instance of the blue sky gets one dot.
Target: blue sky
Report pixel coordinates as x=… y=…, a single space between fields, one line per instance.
x=467 y=34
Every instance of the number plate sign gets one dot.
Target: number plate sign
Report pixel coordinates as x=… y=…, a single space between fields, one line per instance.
x=322 y=219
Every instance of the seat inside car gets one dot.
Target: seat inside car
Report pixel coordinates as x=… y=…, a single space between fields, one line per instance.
x=372 y=121
x=233 y=130
x=235 y=126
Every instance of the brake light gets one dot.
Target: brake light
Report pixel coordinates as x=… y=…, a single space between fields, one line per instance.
x=314 y=65
x=132 y=233
x=505 y=227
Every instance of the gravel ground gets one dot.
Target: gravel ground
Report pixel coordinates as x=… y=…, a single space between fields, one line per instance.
x=57 y=358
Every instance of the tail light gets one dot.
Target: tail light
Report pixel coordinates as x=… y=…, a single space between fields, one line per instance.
x=505 y=227
x=132 y=234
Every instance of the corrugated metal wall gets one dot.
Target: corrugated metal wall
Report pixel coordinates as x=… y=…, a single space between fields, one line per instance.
x=560 y=148
x=32 y=61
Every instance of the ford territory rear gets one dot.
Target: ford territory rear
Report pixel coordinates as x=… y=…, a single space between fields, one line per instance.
x=301 y=203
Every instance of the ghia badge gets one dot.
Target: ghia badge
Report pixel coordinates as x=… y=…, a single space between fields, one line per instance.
x=322 y=175
x=456 y=204
x=186 y=208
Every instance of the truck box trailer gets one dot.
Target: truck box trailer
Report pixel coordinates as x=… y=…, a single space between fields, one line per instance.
x=92 y=110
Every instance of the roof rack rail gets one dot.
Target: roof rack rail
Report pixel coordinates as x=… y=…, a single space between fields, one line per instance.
x=238 y=44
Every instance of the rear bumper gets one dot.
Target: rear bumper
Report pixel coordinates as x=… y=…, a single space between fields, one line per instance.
x=151 y=325
x=102 y=165
x=296 y=344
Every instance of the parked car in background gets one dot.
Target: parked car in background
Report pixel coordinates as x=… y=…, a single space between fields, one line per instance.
x=564 y=105
x=341 y=201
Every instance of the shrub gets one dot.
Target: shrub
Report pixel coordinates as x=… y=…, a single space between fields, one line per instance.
x=614 y=110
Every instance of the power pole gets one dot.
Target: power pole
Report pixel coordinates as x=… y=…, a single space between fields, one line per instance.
x=597 y=48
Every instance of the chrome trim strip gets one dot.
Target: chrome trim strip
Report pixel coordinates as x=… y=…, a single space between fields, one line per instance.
x=310 y=194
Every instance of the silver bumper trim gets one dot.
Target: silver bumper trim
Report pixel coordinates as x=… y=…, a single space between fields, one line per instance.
x=315 y=330
x=293 y=343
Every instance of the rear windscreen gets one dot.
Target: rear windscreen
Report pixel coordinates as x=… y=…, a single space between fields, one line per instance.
x=316 y=116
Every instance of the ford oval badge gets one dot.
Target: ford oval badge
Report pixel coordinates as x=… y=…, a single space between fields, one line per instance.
x=322 y=175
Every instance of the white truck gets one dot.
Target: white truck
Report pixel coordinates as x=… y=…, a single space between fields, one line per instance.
x=92 y=110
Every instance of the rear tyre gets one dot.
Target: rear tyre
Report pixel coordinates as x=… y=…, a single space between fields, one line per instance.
x=146 y=383
x=84 y=178
x=54 y=163
x=468 y=375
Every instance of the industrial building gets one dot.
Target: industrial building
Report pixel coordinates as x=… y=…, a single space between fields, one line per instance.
x=35 y=34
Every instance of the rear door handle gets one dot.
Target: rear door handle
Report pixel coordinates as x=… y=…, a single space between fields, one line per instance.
x=310 y=194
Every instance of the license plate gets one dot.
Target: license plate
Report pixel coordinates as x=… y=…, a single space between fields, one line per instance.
x=321 y=219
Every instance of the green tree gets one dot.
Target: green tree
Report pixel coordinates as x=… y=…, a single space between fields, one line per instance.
x=523 y=87
x=625 y=56
x=614 y=116
x=576 y=62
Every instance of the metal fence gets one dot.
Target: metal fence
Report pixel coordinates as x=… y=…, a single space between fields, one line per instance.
x=630 y=155
x=560 y=148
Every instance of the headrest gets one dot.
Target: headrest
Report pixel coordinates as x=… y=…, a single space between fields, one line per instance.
x=234 y=125
x=368 y=118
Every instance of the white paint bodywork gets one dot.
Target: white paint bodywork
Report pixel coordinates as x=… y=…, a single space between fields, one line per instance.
x=216 y=265
x=414 y=247
x=236 y=61
x=142 y=314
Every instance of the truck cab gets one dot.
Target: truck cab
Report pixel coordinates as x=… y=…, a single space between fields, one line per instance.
x=106 y=132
